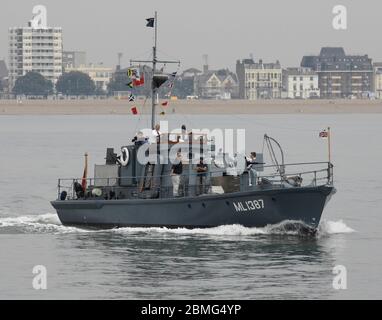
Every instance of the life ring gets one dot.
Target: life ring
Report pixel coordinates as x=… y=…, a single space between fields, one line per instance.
x=124 y=157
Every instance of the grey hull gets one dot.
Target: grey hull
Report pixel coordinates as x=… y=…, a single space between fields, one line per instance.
x=250 y=209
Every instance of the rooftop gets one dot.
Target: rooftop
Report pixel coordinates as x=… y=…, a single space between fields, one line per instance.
x=299 y=71
x=335 y=59
x=251 y=64
x=192 y=70
x=332 y=52
x=221 y=74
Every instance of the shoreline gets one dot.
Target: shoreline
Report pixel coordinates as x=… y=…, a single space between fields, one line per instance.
x=195 y=107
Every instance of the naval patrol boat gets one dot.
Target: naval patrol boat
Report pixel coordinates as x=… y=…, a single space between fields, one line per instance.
x=135 y=188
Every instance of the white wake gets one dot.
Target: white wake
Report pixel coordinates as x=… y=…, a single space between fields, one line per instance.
x=49 y=223
x=43 y=223
x=283 y=228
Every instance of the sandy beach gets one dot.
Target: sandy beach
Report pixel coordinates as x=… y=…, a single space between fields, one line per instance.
x=113 y=106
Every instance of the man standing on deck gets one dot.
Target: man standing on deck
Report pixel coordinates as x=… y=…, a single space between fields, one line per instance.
x=176 y=171
x=184 y=134
x=139 y=139
x=201 y=169
x=251 y=168
x=155 y=134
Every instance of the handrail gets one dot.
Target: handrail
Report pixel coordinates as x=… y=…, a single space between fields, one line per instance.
x=314 y=176
x=211 y=172
x=193 y=174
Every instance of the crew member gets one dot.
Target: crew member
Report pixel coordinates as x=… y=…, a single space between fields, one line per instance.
x=139 y=139
x=251 y=168
x=201 y=169
x=176 y=171
x=184 y=135
x=155 y=133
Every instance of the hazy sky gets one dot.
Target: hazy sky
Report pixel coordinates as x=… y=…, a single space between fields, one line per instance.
x=225 y=30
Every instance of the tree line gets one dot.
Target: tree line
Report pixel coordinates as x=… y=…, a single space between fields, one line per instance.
x=77 y=83
x=73 y=83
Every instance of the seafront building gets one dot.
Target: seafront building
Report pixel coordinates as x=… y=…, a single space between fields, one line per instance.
x=258 y=80
x=301 y=83
x=216 y=84
x=37 y=48
x=73 y=59
x=184 y=85
x=101 y=75
x=377 y=66
x=341 y=75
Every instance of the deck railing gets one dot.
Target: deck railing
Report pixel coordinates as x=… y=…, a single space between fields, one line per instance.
x=272 y=176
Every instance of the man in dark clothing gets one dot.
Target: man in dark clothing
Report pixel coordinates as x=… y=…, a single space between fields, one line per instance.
x=201 y=169
x=176 y=171
x=139 y=139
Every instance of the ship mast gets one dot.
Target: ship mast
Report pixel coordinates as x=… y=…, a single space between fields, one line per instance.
x=154 y=63
x=153 y=89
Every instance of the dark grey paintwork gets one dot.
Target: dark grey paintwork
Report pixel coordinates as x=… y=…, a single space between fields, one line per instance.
x=304 y=204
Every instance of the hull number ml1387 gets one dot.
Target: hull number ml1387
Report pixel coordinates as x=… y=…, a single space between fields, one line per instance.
x=253 y=205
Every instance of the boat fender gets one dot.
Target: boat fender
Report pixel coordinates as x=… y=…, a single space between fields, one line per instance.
x=124 y=157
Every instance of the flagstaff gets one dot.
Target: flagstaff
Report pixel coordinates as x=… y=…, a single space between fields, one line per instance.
x=329 y=146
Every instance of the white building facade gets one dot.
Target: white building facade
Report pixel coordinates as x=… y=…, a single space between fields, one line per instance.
x=35 y=48
x=377 y=80
x=258 y=80
x=302 y=83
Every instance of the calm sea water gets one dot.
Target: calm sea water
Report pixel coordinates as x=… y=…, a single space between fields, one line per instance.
x=228 y=262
